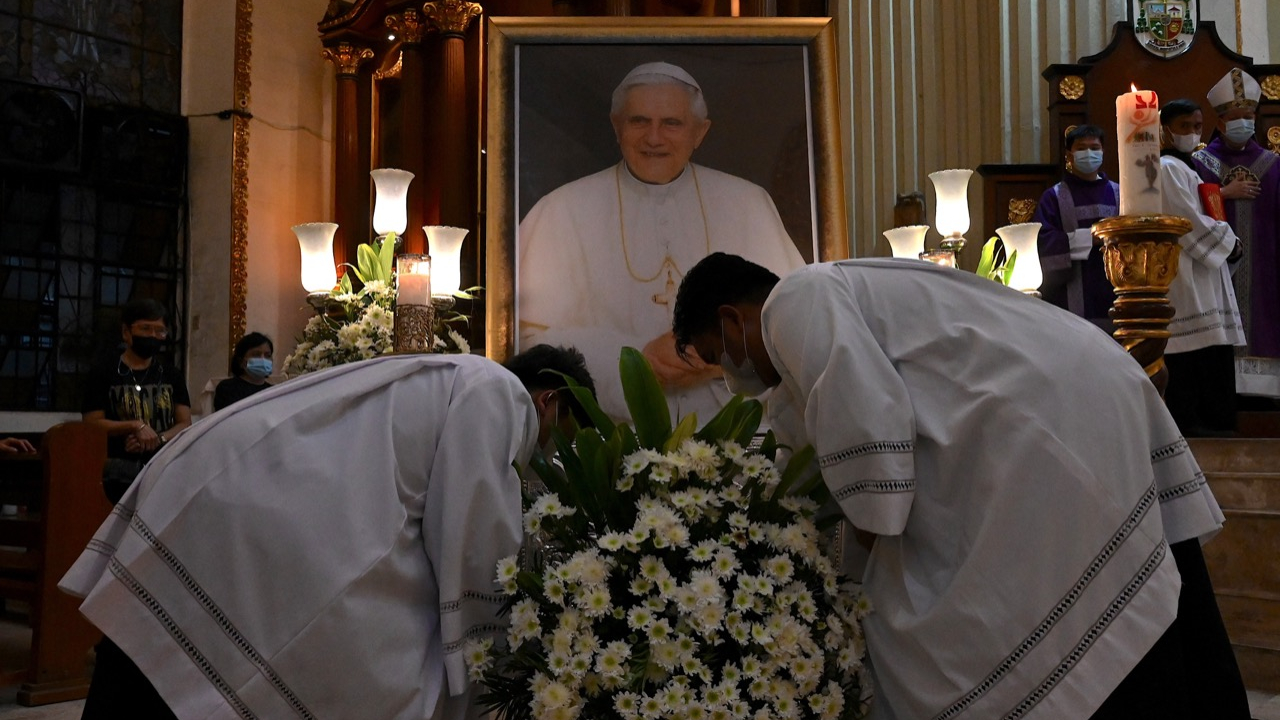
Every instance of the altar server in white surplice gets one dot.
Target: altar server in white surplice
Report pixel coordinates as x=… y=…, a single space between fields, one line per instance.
x=322 y=549
x=1014 y=470
x=600 y=258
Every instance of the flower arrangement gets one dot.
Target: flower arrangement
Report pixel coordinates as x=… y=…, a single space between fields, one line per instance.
x=357 y=324
x=674 y=573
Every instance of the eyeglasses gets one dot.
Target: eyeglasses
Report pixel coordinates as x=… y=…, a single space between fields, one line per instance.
x=155 y=330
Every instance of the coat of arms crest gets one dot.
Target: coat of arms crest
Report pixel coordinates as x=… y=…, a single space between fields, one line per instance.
x=1165 y=27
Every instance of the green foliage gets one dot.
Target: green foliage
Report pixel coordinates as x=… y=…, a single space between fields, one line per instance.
x=987 y=266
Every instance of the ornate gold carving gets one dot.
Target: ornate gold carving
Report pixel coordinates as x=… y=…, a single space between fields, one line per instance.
x=1271 y=87
x=1140 y=253
x=409 y=26
x=452 y=16
x=1021 y=210
x=1273 y=138
x=391 y=72
x=1071 y=87
x=411 y=329
x=347 y=58
x=240 y=171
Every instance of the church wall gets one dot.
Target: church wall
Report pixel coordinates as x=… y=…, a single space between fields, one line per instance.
x=289 y=169
x=935 y=85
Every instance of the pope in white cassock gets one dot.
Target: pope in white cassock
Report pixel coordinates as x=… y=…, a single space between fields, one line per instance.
x=600 y=257
x=1033 y=510
x=324 y=548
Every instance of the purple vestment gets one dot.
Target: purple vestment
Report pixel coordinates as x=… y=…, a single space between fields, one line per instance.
x=1080 y=286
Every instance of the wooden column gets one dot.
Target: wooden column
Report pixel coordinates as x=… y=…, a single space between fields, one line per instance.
x=410 y=27
x=350 y=194
x=456 y=157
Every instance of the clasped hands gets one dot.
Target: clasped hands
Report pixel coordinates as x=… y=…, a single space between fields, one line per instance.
x=1241 y=190
x=143 y=440
x=673 y=371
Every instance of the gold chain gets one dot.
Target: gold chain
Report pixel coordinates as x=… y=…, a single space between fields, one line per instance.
x=622 y=226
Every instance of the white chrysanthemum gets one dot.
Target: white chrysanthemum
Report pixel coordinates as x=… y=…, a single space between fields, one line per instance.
x=508 y=568
x=698 y=453
x=660 y=474
x=753 y=465
x=459 y=342
x=549 y=505
x=704 y=551
x=378 y=317
x=625 y=483
x=780 y=568
x=732 y=450
x=524 y=622
x=725 y=564
x=640 y=618
x=659 y=631
x=665 y=654
x=651 y=567
x=587 y=567
x=641 y=586
x=636 y=462
x=555 y=695
x=612 y=542
x=594 y=602
x=627 y=704
x=476 y=654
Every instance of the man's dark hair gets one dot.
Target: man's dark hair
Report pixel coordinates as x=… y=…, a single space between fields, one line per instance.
x=143 y=309
x=1083 y=131
x=532 y=367
x=1171 y=111
x=247 y=343
x=718 y=279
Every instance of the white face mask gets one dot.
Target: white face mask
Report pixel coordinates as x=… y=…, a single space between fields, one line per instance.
x=1239 y=131
x=1086 y=162
x=1186 y=143
x=740 y=379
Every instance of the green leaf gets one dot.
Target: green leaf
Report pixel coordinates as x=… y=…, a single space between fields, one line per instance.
x=683 y=432
x=599 y=418
x=986 y=265
x=644 y=398
x=748 y=422
x=366 y=263
x=387 y=257
x=1007 y=270
x=720 y=425
x=796 y=467
x=345 y=282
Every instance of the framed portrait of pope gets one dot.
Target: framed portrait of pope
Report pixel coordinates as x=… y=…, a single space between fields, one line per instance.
x=621 y=151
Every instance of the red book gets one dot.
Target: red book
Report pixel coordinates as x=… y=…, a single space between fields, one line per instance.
x=1211 y=198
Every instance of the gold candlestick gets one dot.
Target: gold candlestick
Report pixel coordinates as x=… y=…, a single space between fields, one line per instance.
x=1140 y=253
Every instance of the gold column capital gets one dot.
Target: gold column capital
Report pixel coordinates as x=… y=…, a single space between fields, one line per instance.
x=347 y=57
x=409 y=26
x=452 y=17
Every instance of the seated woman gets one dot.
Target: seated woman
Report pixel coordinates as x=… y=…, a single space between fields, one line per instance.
x=250 y=368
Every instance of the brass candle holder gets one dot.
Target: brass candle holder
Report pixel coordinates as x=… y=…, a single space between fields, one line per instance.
x=1140 y=253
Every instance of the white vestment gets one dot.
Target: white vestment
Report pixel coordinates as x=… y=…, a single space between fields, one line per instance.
x=323 y=548
x=578 y=286
x=1019 y=468
x=1202 y=295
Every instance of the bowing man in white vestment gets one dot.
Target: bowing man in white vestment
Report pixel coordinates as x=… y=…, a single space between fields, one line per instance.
x=1014 y=470
x=600 y=258
x=324 y=548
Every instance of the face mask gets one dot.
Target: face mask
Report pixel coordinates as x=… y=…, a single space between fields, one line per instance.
x=1186 y=143
x=1239 y=131
x=1086 y=162
x=740 y=379
x=258 y=367
x=145 y=347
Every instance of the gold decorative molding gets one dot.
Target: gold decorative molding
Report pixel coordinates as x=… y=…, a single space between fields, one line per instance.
x=452 y=17
x=1071 y=87
x=1271 y=87
x=1140 y=254
x=1021 y=210
x=240 y=171
x=1273 y=138
x=408 y=26
x=347 y=58
x=391 y=72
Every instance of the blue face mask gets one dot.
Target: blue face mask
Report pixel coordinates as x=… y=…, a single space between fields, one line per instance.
x=1086 y=162
x=258 y=367
x=740 y=379
x=1239 y=131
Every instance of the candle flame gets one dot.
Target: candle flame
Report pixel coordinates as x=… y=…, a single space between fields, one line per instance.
x=1133 y=88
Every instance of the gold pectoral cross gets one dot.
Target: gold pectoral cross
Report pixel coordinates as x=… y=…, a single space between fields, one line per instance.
x=669 y=295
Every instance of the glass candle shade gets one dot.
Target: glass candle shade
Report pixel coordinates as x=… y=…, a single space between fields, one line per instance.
x=1022 y=237
x=907 y=242
x=445 y=245
x=951 y=218
x=315 y=240
x=391 y=200
x=413 y=279
x=945 y=258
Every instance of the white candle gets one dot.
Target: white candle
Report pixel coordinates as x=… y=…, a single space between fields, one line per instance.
x=413 y=280
x=1138 y=141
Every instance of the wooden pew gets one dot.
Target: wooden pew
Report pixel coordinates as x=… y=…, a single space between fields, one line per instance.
x=64 y=505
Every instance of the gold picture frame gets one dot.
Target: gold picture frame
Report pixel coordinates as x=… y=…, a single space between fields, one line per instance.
x=518 y=49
